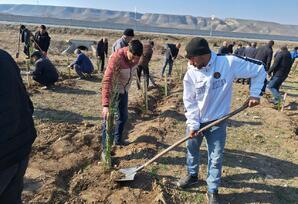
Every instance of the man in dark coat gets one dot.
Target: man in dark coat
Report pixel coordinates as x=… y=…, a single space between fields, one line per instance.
x=102 y=51
x=240 y=50
x=264 y=54
x=45 y=72
x=172 y=51
x=224 y=48
x=25 y=38
x=230 y=47
x=17 y=130
x=280 y=69
x=42 y=40
x=251 y=50
x=143 y=65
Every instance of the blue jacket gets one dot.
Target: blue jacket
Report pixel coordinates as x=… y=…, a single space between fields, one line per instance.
x=84 y=62
x=294 y=54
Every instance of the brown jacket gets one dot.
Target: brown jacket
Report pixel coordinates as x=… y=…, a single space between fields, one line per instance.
x=147 y=54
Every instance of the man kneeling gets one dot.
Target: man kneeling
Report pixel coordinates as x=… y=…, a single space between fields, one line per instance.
x=82 y=65
x=45 y=72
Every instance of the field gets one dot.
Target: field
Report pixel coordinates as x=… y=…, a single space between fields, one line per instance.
x=261 y=155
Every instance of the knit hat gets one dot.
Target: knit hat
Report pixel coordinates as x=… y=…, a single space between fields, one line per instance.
x=196 y=47
x=129 y=32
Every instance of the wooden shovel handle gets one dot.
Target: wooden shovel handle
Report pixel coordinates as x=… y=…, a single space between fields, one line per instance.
x=243 y=107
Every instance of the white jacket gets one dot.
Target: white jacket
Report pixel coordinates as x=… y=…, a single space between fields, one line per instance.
x=207 y=92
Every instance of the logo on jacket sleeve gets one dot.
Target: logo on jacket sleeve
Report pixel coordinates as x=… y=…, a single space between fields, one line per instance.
x=216 y=75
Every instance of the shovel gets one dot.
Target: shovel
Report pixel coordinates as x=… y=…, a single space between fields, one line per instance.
x=129 y=173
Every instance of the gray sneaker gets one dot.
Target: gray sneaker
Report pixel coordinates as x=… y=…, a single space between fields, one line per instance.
x=187 y=181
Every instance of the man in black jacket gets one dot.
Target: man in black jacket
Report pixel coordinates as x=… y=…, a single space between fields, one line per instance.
x=230 y=47
x=172 y=51
x=42 y=40
x=264 y=54
x=102 y=51
x=25 y=38
x=251 y=50
x=224 y=48
x=17 y=130
x=45 y=72
x=280 y=69
x=240 y=50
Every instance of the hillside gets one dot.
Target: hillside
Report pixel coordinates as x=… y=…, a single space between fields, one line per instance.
x=151 y=19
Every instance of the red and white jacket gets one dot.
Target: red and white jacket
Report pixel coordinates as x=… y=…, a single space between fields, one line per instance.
x=123 y=69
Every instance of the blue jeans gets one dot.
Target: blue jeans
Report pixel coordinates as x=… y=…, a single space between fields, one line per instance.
x=216 y=139
x=121 y=118
x=274 y=85
x=166 y=62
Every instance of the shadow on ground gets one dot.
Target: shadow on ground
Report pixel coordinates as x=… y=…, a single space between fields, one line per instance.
x=51 y=115
x=73 y=90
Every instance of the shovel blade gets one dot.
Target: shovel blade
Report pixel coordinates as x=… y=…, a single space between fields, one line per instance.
x=129 y=174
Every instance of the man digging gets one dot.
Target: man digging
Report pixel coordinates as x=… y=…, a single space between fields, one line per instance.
x=207 y=97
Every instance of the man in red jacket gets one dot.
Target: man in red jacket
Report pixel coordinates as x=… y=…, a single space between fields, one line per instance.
x=121 y=66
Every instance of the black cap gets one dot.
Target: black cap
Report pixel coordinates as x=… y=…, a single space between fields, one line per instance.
x=196 y=47
x=36 y=54
x=129 y=32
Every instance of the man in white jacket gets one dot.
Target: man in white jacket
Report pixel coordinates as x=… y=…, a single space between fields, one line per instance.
x=207 y=97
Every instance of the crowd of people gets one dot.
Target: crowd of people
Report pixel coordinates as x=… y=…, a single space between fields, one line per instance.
x=277 y=72
x=207 y=95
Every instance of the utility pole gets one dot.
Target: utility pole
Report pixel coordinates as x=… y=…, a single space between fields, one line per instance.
x=135 y=18
x=212 y=18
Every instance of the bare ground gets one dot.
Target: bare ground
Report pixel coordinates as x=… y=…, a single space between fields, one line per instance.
x=261 y=158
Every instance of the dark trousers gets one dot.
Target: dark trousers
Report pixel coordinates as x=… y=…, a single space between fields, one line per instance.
x=11 y=182
x=166 y=62
x=145 y=70
x=101 y=58
x=45 y=80
x=121 y=118
x=27 y=50
x=264 y=87
x=78 y=70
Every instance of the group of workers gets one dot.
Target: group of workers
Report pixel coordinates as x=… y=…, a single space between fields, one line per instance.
x=207 y=96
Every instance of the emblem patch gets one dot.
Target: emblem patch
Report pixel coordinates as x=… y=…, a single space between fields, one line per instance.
x=216 y=75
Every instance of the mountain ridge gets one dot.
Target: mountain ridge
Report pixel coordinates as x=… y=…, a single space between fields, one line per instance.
x=151 y=19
